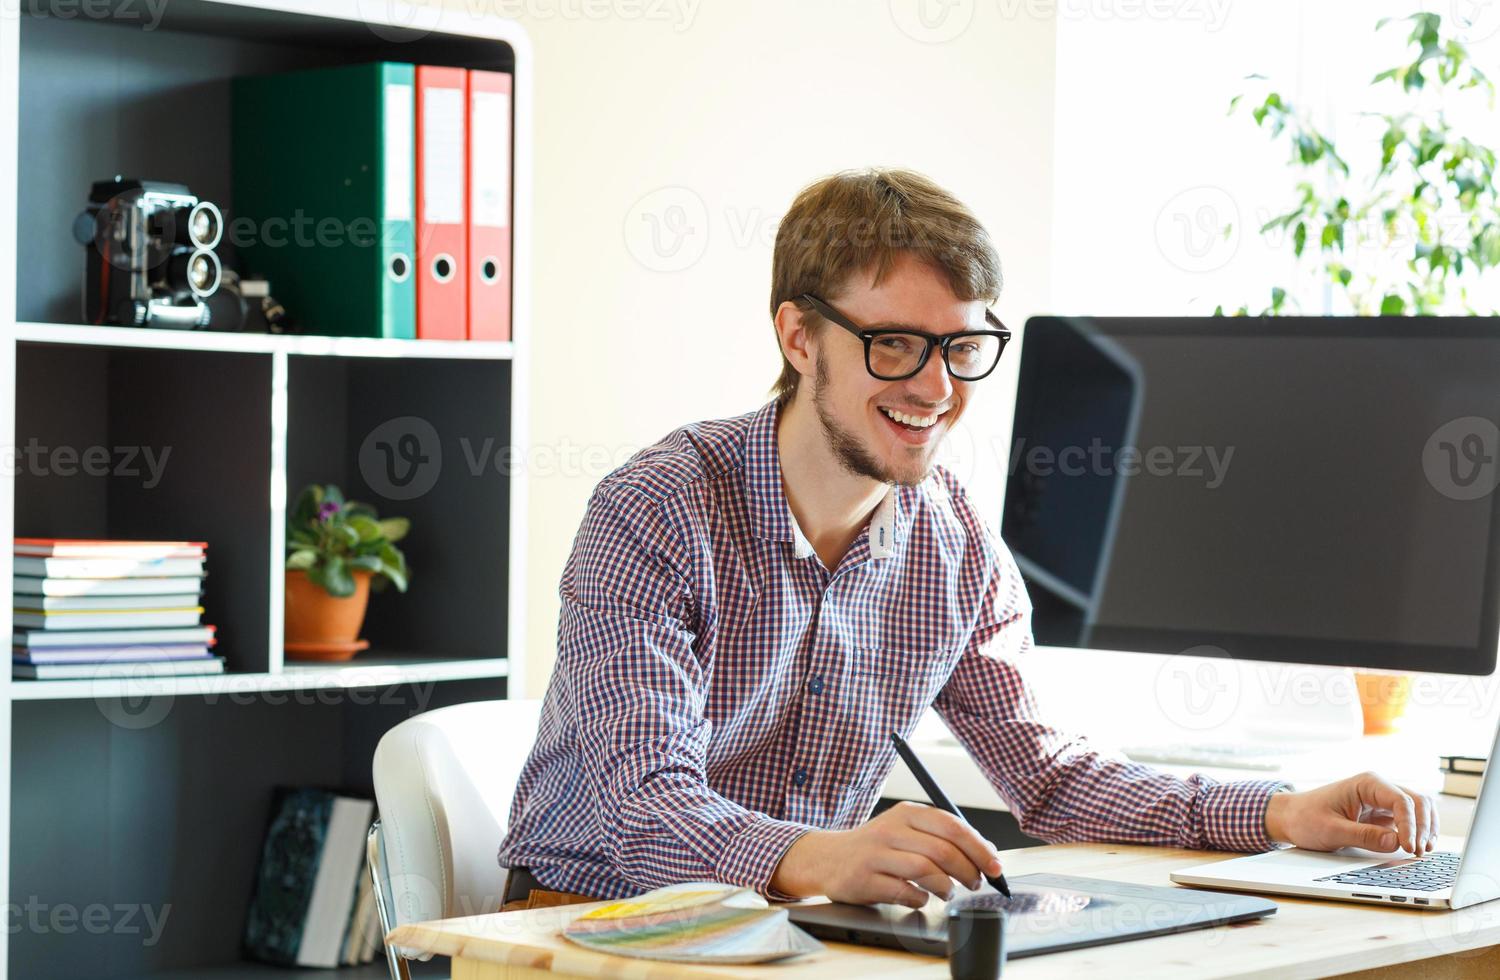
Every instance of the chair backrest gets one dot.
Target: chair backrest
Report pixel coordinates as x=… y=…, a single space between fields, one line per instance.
x=443 y=783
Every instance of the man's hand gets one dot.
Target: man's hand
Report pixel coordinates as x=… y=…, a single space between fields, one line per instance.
x=1361 y=811
x=878 y=861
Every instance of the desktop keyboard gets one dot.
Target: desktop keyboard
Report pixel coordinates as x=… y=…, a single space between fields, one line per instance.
x=1264 y=756
x=1436 y=871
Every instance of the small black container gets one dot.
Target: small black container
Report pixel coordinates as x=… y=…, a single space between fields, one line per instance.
x=976 y=943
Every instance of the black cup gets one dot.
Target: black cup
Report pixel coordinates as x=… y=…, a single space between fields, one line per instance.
x=976 y=943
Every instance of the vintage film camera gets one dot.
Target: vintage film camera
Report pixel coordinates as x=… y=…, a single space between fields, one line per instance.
x=151 y=259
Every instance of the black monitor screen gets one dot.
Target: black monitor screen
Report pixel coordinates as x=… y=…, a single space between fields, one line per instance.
x=1305 y=489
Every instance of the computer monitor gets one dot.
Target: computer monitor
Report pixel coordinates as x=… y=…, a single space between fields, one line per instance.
x=1317 y=490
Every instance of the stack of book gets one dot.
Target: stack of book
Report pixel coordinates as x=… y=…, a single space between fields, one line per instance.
x=1461 y=774
x=85 y=609
x=314 y=904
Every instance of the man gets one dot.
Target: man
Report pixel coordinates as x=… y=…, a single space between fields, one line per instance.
x=752 y=605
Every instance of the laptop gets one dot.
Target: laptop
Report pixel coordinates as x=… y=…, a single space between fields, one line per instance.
x=1441 y=880
x=1046 y=913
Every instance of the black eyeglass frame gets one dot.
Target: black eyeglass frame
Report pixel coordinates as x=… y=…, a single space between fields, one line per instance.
x=932 y=340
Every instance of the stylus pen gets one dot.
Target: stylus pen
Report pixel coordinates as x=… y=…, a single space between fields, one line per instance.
x=939 y=798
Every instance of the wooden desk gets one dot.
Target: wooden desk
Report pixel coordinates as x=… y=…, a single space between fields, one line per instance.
x=1303 y=939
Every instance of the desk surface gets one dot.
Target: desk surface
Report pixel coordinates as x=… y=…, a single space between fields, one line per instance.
x=1303 y=939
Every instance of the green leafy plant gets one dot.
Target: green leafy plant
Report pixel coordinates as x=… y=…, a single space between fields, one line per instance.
x=1428 y=200
x=331 y=538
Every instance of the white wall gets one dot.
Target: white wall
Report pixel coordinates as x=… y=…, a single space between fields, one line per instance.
x=1090 y=136
x=701 y=121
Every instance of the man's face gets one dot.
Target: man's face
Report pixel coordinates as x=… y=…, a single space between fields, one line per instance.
x=855 y=409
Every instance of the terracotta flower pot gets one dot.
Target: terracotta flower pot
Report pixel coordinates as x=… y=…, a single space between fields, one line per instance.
x=1383 y=698
x=319 y=626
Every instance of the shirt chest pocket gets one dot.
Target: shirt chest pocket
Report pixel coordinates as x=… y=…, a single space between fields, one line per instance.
x=900 y=682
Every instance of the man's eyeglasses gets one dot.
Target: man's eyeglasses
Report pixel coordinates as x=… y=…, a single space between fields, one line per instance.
x=895 y=355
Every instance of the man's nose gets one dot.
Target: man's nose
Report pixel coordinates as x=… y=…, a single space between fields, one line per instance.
x=932 y=384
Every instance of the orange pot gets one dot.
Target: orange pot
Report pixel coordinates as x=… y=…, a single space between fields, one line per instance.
x=320 y=626
x=1383 y=698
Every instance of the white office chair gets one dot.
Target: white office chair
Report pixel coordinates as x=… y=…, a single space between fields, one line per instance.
x=443 y=785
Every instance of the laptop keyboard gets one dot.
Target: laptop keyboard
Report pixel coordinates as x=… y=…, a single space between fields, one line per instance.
x=1433 y=873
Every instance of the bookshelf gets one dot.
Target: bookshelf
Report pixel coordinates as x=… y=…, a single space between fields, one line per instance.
x=152 y=793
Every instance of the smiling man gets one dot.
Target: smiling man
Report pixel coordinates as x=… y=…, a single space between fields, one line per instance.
x=752 y=605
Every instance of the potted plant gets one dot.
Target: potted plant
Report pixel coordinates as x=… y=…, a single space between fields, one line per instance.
x=337 y=550
x=1424 y=193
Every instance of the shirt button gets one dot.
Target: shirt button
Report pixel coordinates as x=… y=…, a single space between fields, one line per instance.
x=799 y=777
x=815 y=685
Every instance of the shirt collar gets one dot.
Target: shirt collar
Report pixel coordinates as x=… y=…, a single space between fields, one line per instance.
x=770 y=515
x=885 y=529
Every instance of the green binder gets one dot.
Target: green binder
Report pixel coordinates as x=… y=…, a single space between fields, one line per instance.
x=323 y=195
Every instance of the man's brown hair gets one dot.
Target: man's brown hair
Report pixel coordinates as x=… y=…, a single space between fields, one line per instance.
x=859 y=221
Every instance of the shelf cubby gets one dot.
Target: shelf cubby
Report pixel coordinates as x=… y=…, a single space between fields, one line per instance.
x=425 y=440
x=163 y=111
x=161 y=805
x=125 y=443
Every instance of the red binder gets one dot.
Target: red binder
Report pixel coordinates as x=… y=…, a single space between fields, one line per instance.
x=442 y=266
x=489 y=168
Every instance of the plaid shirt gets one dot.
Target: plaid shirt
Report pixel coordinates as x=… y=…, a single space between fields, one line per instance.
x=718 y=692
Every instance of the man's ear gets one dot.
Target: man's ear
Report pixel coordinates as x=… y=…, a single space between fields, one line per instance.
x=796 y=340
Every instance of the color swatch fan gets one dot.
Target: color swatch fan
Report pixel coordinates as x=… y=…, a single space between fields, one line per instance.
x=698 y=922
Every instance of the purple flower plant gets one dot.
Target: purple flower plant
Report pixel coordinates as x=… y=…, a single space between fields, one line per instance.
x=332 y=539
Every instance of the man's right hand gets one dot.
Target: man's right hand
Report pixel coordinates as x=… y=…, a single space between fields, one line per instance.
x=879 y=860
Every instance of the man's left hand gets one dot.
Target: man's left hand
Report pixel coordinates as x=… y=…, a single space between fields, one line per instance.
x=1361 y=811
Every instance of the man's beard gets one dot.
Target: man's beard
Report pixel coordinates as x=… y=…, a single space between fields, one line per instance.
x=848 y=450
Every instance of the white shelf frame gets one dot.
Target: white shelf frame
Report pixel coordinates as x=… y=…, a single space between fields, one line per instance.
x=262 y=343
x=282 y=676
x=10 y=134
x=306 y=676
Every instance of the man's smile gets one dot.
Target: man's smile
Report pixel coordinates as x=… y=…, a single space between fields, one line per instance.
x=912 y=428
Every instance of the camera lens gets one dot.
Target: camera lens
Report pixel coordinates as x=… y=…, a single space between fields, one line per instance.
x=205 y=224
x=203 y=272
x=196 y=272
x=199 y=272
